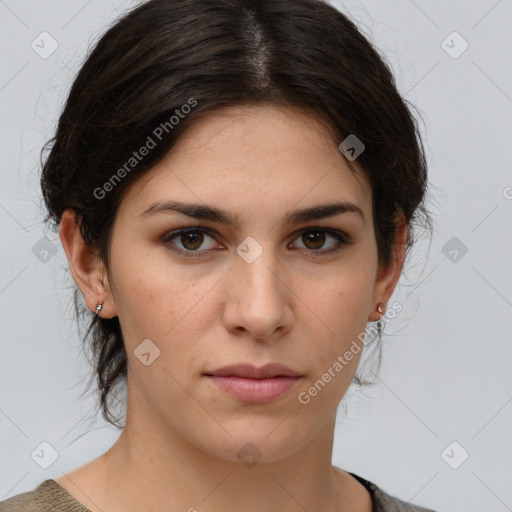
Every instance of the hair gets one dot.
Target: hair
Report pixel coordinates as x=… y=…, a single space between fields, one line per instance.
x=166 y=63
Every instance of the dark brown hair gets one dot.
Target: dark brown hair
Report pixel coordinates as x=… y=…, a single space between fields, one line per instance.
x=212 y=54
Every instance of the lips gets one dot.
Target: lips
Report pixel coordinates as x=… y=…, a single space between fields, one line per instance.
x=249 y=384
x=251 y=372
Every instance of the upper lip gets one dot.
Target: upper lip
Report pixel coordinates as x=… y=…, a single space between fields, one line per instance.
x=252 y=372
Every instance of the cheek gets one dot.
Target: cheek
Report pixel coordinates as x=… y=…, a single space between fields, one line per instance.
x=340 y=305
x=335 y=313
x=161 y=302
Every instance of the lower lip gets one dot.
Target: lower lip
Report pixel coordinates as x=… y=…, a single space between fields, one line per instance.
x=255 y=390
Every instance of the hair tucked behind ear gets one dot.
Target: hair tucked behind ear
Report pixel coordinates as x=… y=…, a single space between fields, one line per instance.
x=210 y=54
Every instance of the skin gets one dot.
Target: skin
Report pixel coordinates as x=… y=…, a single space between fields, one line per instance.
x=179 y=447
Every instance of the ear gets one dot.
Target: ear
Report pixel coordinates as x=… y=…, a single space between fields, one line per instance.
x=89 y=272
x=388 y=276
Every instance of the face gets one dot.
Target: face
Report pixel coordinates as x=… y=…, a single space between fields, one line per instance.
x=266 y=287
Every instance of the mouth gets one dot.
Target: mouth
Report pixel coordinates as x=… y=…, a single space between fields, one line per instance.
x=254 y=385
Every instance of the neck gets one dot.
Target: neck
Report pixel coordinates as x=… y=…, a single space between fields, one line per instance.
x=166 y=471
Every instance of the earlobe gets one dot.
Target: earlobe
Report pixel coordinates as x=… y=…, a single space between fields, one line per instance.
x=85 y=266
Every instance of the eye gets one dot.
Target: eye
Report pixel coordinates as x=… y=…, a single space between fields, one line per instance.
x=314 y=239
x=192 y=239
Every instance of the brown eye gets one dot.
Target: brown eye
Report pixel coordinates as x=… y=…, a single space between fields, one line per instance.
x=189 y=242
x=192 y=241
x=316 y=238
x=313 y=239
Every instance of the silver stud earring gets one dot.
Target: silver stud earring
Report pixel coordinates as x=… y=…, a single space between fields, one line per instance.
x=379 y=323
x=98 y=308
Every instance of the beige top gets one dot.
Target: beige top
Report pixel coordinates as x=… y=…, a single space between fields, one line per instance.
x=49 y=496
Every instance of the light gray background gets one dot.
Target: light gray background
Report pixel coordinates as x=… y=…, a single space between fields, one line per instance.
x=446 y=371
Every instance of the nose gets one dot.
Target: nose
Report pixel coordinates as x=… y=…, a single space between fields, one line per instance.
x=258 y=298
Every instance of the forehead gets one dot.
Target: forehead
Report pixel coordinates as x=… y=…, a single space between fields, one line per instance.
x=254 y=158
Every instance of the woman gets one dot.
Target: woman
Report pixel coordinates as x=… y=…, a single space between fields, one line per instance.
x=236 y=184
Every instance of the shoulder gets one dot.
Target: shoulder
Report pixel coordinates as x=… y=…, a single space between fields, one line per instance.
x=384 y=502
x=49 y=496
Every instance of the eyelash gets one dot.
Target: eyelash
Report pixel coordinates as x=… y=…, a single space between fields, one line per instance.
x=340 y=236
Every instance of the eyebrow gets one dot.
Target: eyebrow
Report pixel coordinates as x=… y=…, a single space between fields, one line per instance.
x=206 y=212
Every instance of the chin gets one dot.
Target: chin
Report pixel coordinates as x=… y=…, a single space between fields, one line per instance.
x=257 y=441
